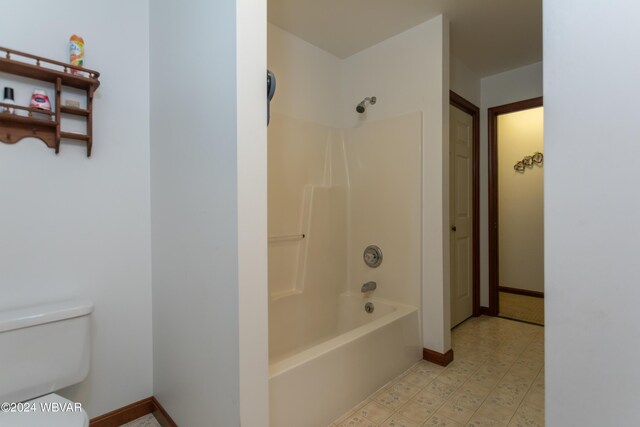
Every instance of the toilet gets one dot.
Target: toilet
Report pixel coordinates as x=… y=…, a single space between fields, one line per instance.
x=44 y=348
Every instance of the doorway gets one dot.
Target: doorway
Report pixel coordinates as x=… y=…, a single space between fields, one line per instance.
x=464 y=185
x=516 y=223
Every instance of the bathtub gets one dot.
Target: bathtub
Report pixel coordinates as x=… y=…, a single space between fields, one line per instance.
x=316 y=376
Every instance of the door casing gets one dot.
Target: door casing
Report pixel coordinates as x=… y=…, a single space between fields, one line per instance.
x=492 y=120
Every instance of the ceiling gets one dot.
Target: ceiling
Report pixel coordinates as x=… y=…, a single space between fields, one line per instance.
x=489 y=36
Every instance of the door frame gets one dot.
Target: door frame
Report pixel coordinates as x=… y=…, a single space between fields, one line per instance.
x=492 y=121
x=459 y=102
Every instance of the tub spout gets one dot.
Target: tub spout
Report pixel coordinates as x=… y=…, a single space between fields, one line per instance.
x=368 y=287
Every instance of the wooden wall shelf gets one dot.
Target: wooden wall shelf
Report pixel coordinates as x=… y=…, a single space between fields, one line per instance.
x=23 y=124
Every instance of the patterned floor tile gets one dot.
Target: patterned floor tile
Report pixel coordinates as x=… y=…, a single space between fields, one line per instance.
x=453 y=410
x=528 y=415
x=427 y=368
x=400 y=421
x=493 y=411
x=146 y=421
x=356 y=421
x=404 y=388
x=375 y=412
x=417 y=379
x=391 y=399
x=415 y=411
x=440 y=388
x=440 y=421
x=497 y=379
x=480 y=421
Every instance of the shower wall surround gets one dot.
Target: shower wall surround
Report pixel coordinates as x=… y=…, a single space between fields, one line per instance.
x=307 y=189
x=384 y=165
x=342 y=190
x=346 y=180
x=389 y=164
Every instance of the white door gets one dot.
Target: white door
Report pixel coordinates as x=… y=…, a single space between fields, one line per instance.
x=461 y=163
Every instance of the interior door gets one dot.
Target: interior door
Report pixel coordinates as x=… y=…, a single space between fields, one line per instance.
x=461 y=220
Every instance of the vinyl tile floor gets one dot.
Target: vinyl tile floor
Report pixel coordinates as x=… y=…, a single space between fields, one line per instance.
x=496 y=379
x=145 y=421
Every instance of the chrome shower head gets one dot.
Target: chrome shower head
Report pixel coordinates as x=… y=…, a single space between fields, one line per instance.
x=361 y=107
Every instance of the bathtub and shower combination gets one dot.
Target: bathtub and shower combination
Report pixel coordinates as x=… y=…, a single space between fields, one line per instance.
x=335 y=195
x=316 y=377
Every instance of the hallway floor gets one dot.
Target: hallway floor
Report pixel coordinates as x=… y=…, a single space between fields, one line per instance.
x=522 y=307
x=496 y=379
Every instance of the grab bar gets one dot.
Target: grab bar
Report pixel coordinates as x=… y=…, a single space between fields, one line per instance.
x=286 y=238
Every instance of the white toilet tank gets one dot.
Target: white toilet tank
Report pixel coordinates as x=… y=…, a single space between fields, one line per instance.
x=43 y=348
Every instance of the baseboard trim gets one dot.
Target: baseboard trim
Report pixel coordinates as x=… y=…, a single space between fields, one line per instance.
x=437 y=358
x=163 y=417
x=134 y=411
x=525 y=292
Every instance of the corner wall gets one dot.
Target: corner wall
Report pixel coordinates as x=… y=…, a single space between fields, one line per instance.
x=78 y=227
x=208 y=176
x=592 y=139
x=418 y=59
x=464 y=81
x=309 y=81
x=251 y=126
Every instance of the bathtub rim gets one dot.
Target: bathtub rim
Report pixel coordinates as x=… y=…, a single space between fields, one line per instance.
x=318 y=350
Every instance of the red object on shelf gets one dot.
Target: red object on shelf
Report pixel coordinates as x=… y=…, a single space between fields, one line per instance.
x=40 y=99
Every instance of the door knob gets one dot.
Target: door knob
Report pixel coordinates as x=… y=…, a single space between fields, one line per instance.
x=453 y=228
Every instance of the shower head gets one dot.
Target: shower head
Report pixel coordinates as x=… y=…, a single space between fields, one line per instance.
x=361 y=107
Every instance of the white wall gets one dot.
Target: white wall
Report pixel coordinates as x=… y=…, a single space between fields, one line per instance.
x=407 y=73
x=464 y=81
x=251 y=62
x=591 y=212
x=521 y=201
x=499 y=89
x=208 y=173
x=308 y=79
x=79 y=227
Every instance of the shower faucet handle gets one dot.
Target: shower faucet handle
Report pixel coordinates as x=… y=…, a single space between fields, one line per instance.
x=368 y=287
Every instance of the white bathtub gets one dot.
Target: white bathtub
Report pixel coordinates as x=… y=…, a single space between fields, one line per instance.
x=317 y=376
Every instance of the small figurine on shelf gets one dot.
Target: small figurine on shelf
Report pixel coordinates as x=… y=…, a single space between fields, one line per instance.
x=8 y=99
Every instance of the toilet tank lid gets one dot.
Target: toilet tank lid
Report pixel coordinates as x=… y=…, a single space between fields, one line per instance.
x=24 y=317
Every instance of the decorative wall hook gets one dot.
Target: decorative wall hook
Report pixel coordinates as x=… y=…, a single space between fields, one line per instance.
x=538 y=158
x=528 y=161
